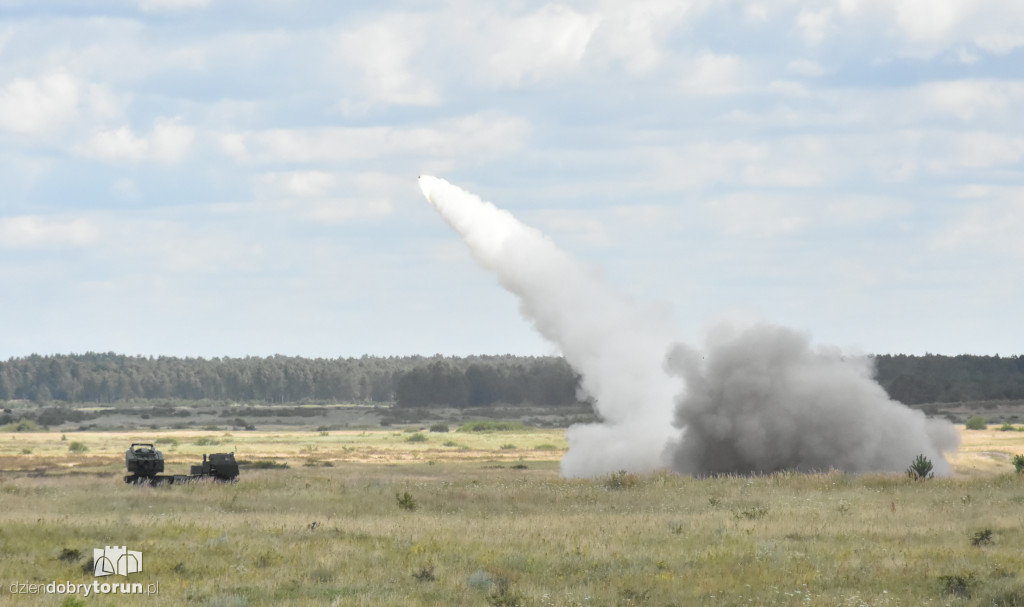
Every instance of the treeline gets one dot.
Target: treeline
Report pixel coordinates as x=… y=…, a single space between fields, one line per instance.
x=417 y=381
x=410 y=381
x=946 y=379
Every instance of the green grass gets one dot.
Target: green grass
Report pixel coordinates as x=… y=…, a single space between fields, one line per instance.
x=480 y=533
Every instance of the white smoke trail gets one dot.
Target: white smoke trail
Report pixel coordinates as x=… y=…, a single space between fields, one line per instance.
x=757 y=400
x=617 y=347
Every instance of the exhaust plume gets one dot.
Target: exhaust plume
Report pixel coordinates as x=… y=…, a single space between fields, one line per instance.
x=617 y=347
x=757 y=400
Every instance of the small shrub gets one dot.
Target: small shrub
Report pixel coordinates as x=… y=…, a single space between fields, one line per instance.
x=546 y=447
x=167 y=440
x=77 y=447
x=921 y=469
x=439 y=428
x=425 y=574
x=26 y=451
x=976 y=422
x=406 y=501
x=508 y=447
x=70 y=555
x=982 y=538
x=1018 y=463
x=1007 y=427
x=520 y=467
x=958 y=585
x=621 y=480
x=204 y=441
x=418 y=437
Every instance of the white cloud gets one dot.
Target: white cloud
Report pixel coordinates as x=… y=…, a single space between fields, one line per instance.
x=474 y=137
x=635 y=32
x=805 y=67
x=968 y=99
x=44 y=104
x=929 y=20
x=35 y=231
x=170 y=141
x=992 y=221
x=167 y=143
x=303 y=184
x=171 y=5
x=339 y=210
x=382 y=54
x=767 y=215
x=546 y=43
x=709 y=73
x=1000 y=43
x=815 y=25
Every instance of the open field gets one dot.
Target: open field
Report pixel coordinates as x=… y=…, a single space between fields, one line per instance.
x=494 y=524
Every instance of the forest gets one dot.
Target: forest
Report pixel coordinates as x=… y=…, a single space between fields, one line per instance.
x=417 y=381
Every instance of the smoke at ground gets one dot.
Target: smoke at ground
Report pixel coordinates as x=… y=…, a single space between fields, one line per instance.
x=756 y=400
x=760 y=399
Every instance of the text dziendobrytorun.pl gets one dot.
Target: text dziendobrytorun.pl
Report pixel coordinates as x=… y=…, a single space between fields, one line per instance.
x=85 y=589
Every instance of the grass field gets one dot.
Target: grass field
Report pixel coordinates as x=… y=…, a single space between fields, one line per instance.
x=488 y=521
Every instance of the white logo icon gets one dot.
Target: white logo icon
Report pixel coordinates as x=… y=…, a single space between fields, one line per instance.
x=117 y=560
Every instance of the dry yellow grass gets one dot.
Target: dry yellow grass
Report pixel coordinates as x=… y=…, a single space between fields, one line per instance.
x=489 y=533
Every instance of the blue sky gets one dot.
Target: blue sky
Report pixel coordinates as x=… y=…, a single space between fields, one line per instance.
x=209 y=178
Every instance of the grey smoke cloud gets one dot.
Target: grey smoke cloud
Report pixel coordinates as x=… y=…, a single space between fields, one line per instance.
x=754 y=400
x=761 y=399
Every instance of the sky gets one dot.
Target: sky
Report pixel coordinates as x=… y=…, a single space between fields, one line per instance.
x=231 y=178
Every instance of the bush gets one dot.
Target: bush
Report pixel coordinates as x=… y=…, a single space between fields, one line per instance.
x=957 y=585
x=406 y=501
x=1018 y=463
x=1007 y=427
x=976 y=422
x=439 y=428
x=77 y=447
x=418 y=437
x=921 y=469
x=982 y=538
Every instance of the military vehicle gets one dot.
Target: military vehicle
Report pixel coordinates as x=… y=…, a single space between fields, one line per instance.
x=145 y=464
